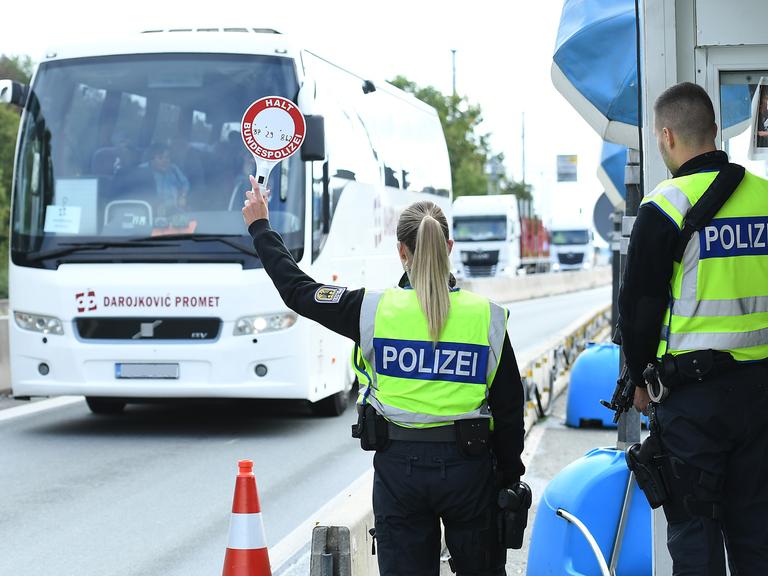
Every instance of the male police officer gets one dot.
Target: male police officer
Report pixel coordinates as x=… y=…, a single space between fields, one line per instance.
x=701 y=309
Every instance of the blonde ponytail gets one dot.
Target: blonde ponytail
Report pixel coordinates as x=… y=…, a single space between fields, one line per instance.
x=423 y=228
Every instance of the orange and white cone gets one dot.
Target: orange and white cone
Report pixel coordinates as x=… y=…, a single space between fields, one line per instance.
x=247 y=548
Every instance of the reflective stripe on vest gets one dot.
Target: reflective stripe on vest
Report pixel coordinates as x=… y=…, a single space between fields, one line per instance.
x=400 y=369
x=720 y=288
x=671 y=200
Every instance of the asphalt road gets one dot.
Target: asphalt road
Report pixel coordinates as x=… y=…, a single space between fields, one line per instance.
x=150 y=492
x=535 y=321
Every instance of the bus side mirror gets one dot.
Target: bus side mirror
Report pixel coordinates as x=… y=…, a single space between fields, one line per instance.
x=12 y=92
x=313 y=148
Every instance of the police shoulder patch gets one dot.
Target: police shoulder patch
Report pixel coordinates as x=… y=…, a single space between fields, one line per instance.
x=329 y=294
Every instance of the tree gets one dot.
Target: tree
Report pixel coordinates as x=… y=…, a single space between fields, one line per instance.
x=468 y=151
x=18 y=68
x=522 y=190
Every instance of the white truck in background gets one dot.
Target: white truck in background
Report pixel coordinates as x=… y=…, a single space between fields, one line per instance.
x=492 y=238
x=572 y=246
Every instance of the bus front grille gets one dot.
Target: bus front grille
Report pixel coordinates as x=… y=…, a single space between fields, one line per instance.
x=148 y=328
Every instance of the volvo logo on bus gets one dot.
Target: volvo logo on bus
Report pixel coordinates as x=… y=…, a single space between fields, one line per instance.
x=147 y=330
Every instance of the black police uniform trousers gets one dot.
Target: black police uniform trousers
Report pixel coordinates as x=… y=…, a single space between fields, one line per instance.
x=720 y=426
x=418 y=483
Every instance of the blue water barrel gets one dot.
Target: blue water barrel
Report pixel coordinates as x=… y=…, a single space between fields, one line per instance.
x=593 y=378
x=592 y=488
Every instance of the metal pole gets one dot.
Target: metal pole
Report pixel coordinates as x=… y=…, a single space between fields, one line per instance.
x=523 y=148
x=629 y=422
x=615 y=265
x=453 y=66
x=616 y=552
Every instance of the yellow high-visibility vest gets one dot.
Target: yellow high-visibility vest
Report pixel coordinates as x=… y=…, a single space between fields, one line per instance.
x=415 y=382
x=719 y=291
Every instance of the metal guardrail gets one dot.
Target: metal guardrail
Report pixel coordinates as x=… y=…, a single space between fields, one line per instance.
x=545 y=376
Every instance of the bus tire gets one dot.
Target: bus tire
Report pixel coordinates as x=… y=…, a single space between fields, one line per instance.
x=333 y=405
x=99 y=405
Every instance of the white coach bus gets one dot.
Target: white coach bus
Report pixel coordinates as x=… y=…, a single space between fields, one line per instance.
x=132 y=275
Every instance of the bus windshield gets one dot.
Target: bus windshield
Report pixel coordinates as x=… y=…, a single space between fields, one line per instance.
x=118 y=149
x=562 y=237
x=479 y=228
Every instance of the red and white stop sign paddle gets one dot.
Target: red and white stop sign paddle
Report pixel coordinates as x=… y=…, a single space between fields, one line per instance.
x=273 y=129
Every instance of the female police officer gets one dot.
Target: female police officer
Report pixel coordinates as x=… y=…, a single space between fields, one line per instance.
x=433 y=362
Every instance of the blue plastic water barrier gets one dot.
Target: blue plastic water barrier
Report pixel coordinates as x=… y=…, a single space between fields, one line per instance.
x=593 y=378
x=592 y=488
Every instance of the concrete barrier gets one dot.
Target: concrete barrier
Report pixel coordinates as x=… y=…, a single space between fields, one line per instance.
x=350 y=509
x=538 y=285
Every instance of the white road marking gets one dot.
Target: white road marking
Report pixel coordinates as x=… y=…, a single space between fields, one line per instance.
x=39 y=406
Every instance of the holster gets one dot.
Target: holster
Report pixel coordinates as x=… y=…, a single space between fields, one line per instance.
x=646 y=460
x=682 y=489
x=514 y=503
x=473 y=436
x=371 y=428
x=693 y=491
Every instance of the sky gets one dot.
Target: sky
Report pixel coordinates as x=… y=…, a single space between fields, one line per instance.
x=503 y=60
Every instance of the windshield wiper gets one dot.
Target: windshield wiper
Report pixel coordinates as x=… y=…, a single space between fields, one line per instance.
x=223 y=238
x=74 y=247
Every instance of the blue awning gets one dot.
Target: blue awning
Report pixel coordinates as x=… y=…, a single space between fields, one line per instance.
x=595 y=68
x=595 y=65
x=610 y=172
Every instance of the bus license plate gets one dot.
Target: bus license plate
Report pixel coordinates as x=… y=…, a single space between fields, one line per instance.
x=147 y=371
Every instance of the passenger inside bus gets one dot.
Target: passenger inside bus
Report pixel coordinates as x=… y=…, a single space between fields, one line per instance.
x=160 y=180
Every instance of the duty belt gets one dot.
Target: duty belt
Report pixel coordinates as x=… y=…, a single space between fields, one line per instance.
x=445 y=433
x=695 y=366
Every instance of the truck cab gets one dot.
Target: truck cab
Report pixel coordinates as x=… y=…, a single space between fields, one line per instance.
x=572 y=247
x=486 y=233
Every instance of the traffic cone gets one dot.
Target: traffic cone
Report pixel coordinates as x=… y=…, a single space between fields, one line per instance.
x=247 y=549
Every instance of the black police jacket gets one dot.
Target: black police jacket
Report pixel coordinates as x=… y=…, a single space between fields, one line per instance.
x=645 y=291
x=338 y=309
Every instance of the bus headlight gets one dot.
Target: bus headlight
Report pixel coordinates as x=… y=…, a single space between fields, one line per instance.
x=266 y=323
x=38 y=323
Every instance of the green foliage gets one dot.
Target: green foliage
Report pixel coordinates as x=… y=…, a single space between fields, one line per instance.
x=9 y=128
x=17 y=68
x=468 y=150
x=522 y=190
